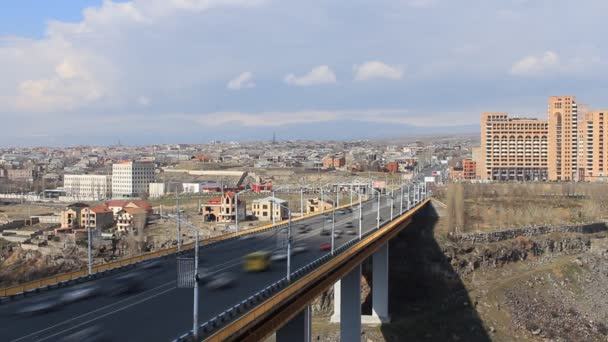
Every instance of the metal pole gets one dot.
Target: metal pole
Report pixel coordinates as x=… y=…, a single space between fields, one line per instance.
x=378 y=215
x=236 y=211
x=321 y=204
x=401 y=201
x=289 y=246
x=89 y=241
x=301 y=202
x=360 y=217
x=337 y=196
x=179 y=226
x=195 y=309
x=273 y=209
x=333 y=228
x=351 y=194
x=391 y=207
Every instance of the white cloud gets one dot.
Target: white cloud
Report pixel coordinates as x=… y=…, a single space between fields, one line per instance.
x=244 y=80
x=421 y=3
x=534 y=65
x=321 y=74
x=143 y=101
x=376 y=69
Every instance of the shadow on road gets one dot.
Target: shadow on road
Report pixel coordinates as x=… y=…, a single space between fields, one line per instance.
x=428 y=300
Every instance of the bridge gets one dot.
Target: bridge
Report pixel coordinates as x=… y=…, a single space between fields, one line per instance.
x=257 y=304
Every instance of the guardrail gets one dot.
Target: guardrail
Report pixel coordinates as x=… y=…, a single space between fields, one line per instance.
x=299 y=279
x=99 y=270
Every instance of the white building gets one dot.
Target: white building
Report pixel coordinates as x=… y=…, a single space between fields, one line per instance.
x=131 y=178
x=157 y=190
x=88 y=187
x=263 y=209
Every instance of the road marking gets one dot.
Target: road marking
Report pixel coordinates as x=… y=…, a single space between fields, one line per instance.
x=91 y=312
x=107 y=314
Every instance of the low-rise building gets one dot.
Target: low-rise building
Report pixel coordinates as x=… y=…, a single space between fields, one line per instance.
x=224 y=209
x=99 y=217
x=264 y=209
x=315 y=205
x=88 y=187
x=70 y=216
x=131 y=219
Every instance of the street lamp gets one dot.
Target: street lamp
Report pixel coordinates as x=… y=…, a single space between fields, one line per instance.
x=236 y=206
x=360 y=213
x=378 y=212
x=288 y=240
x=196 y=279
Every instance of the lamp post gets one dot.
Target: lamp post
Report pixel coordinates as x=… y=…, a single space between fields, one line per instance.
x=378 y=212
x=89 y=252
x=236 y=206
x=196 y=279
x=360 y=214
x=288 y=240
x=401 y=200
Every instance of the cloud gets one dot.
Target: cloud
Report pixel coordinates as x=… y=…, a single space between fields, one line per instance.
x=244 y=80
x=421 y=3
x=535 y=65
x=321 y=74
x=376 y=69
x=143 y=101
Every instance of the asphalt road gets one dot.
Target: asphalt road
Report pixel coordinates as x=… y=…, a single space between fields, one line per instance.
x=161 y=311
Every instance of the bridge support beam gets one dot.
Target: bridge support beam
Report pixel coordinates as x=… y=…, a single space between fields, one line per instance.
x=298 y=329
x=347 y=305
x=379 y=288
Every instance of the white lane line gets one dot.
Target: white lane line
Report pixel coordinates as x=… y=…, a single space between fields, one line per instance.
x=107 y=314
x=91 y=312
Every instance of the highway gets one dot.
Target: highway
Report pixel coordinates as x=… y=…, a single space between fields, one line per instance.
x=161 y=311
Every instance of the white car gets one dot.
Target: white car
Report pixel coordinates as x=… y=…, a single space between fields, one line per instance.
x=278 y=256
x=80 y=293
x=221 y=281
x=299 y=249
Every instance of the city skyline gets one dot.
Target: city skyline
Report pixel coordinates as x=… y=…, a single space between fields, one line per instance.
x=193 y=71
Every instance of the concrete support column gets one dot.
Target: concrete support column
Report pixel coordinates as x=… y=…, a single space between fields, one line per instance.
x=380 y=286
x=350 y=306
x=298 y=329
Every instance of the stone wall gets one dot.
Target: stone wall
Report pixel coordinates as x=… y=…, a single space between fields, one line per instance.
x=512 y=233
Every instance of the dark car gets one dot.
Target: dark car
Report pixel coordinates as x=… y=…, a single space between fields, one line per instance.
x=128 y=283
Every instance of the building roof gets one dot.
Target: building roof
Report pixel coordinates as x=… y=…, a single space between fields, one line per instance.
x=78 y=205
x=229 y=194
x=214 y=200
x=270 y=199
x=100 y=209
x=140 y=204
x=116 y=203
x=135 y=211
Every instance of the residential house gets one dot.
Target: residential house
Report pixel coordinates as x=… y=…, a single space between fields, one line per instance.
x=224 y=209
x=315 y=205
x=131 y=219
x=70 y=216
x=100 y=217
x=263 y=209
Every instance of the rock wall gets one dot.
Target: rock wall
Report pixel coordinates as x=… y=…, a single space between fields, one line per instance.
x=508 y=234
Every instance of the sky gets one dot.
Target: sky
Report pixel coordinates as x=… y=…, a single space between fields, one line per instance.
x=190 y=71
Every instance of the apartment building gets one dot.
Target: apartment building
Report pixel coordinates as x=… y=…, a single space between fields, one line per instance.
x=224 y=209
x=469 y=168
x=563 y=138
x=513 y=148
x=88 y=187
x=132 y=178
x=593 y=137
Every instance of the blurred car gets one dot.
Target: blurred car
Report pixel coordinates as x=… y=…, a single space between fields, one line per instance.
x=257 y=261
x=299 y=249
x=338 y=231
x=337 y=236
x=221 y=281
x=325 y=246
x=325 y=232
x=351 y=232
x=40 y=306
x=81 y=292
x=279 y=255
x=93 y=333
x=128 y=283
x=153 y=264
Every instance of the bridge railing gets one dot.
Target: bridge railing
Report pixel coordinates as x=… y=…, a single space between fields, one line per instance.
x=118 y=265
x=262 y=301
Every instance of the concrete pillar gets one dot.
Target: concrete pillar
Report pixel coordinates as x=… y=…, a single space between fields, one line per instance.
x=379 y=287
x=335 y=318
x=298 y=329
x=350 y=306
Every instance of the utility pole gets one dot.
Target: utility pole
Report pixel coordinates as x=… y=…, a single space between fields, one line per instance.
x=360 y=217
x=195 y=308
x=301 y=201
x=378 y=215
x=273 y=209
x=333 y=228
x=177 y=215
x=89 y=252
x=289 y=246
